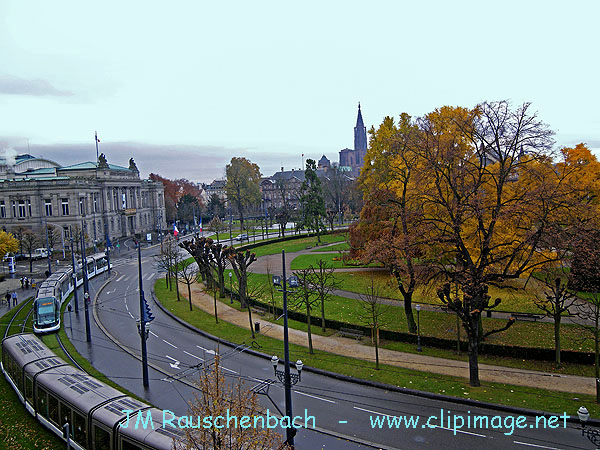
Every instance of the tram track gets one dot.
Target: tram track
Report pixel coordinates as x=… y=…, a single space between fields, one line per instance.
x=14 y=316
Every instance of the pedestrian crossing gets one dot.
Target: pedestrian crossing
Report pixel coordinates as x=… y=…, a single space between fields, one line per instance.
x=145 y=277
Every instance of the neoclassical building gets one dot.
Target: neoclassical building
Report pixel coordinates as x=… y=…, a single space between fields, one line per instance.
x=105 y=198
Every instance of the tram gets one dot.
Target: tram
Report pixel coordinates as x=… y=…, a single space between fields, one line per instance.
x=57 y=394
x=56 y=289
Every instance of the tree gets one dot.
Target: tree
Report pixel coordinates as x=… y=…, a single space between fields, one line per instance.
x=215 y=206
x=189 y=274
x=30 y=243
x=324 y=283
x=306 y=298
x=240 y=261
x=18 y=233
x=174 y=191
x=54 y=236
x=337 y=192
x=218 y=398
x=216 y=225
x=219 y=260
x=243 y=185
x=188 y=209
x=165 y=259
x=311 y=199
x=373 y=314
x=8 y=244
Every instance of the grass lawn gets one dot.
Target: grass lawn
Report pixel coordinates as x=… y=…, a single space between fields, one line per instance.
x=344 y=246
x=19 y=430
x=332 y=260
x=439 y=324
x=296 y=245
x=457 y=387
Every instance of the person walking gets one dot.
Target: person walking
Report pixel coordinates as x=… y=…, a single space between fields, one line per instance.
x=22 y=282
x=26 y=283
x=15 y=298
x=7 y=297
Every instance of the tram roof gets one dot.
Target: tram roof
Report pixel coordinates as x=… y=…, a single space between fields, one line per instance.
x=26 y=348
x=159 y=437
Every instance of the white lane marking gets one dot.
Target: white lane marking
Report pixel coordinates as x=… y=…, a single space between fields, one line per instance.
x=193 y=356
x=210 y=352
x=167 y=342
x=153 y=334
x=174 y=365
x=459 y=431
x=314 y=396
x=228 y=370
x=126 y=307
x=535 y=445
x=151 y=275
x=374 y=412
x=130 y=314
x=120 y=278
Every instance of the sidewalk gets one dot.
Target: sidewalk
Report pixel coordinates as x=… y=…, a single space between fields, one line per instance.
x=352 y=348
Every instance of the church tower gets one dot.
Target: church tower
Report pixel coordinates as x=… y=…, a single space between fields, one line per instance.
x=360 y=133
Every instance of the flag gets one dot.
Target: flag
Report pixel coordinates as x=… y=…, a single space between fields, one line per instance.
x=175 y=230
x=200 y=224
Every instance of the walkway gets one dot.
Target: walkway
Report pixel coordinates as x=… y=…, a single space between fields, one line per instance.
x=352 y=348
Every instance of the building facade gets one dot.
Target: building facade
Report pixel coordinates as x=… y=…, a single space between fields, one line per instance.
x=106 y=199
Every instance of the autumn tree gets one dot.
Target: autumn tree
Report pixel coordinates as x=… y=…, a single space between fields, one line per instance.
x=323 y=282
x=219 y=398
x=174 y=191
x=8 y=243
x=311 y=200
x=215 y=206
x=240 y=260
x=243 y=185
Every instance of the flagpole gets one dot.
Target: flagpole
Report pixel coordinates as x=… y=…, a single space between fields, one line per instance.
x=96 y=136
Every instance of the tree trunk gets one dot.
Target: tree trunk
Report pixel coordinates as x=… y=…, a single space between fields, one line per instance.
x=323 y=314
x=376 y=348
x=221 y=276
x=250 y=319
x=177 y=286
x=473 y=352
x=215 y=301
x=190 y=294
x=310 y=346
x=597 y=357
x=557 y=318
x=410 y=319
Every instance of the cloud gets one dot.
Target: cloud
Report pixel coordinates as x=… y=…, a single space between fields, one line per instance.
x=38 y=88
x=200 y=163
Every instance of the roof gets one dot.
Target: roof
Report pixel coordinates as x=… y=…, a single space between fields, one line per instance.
x=92 y=165
x=49 y=170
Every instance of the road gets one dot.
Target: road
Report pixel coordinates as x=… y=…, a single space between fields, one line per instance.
x=340 y=408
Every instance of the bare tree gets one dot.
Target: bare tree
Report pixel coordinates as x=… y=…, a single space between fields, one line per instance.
x=373 y=314
x=324 y=283
x=306 y=298
x=189 y=275
x=218 y=398
x=271 y=288
x=240 y=261
x=165 y=259
x=30 y=243
x=216 y=225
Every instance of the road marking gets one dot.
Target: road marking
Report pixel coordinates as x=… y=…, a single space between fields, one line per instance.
x=193 y=356
x=153 y=334
x=130 y=314
x=210 y=352
x=535 y=445
x=167 y=342
x=174 y=365
x=374 y=412
x=314 y=396
x=458 y=431
x=126 y=307
x=120 y=278
x=228 y=370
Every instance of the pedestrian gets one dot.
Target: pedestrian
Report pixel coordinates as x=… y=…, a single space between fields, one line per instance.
x=22 y=282
x=7 y=297
x=15 y=298
x=26 y=283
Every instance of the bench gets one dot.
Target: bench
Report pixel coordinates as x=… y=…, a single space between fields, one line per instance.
x=530 y=317
x=259 y=310
x=350 y=332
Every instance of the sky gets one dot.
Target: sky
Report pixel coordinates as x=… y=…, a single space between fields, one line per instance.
x=184 y=86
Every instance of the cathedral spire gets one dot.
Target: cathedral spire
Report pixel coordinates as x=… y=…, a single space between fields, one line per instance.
x=360 y=132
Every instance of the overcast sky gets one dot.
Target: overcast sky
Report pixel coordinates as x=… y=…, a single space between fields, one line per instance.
x=183 y=86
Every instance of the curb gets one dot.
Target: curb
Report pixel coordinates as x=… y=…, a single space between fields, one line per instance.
x=388 y=387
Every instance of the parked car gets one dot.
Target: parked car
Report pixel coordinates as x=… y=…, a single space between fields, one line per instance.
x=39 y=253
x=242 y=237
x=293 y=281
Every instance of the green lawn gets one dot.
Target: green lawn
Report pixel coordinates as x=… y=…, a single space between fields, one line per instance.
x=452 y=386
x=344 y=246
x=296 y=245
x=332 y=260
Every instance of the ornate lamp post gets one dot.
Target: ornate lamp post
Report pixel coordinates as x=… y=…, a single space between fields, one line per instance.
x=591 y=434
x=418 y=308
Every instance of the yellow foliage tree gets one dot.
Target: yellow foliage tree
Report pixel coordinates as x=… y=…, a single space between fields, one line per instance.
x=8 y=243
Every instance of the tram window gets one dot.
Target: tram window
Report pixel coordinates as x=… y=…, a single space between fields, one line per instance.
x=101 y=439
x=65 y=416
x=79 y=429
x=42 y=402
x=126 y=445
x=29 y=389
x=90 y=267
x=53 y=409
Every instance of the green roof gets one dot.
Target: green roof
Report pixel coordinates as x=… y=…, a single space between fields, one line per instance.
x=91 y=165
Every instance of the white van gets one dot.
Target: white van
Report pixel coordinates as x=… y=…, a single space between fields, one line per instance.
x=39 y=253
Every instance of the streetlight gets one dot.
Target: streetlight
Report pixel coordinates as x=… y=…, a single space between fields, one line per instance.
x=231 y=288
x=418 y=308
x=280 y=374
x=592 y=434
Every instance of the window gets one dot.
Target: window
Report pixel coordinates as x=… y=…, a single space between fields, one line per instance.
x=29 y=207
x=125 y=445
x=22 y=210
x=132 y=198
x=65 y=416
x=42 y=401
x=95 y=202
x=53 y=409
x=81 y=206
x=79 y=429
x=66 y=233
x=29 y=389
x=101 y=439
x=2 y=209
x=65 y=206
x=48 y=204
x=115 y=200
x=124 y=200
x=14 y=208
